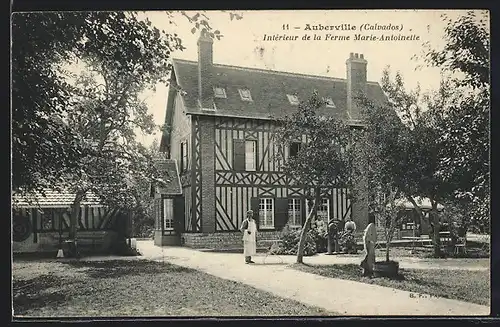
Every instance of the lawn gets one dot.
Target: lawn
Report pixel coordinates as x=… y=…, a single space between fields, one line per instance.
x=137 y=288
x=474 y=251
x=469 y=286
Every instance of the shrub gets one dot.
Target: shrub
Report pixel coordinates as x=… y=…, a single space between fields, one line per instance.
x=290 y=243
x=319 y=234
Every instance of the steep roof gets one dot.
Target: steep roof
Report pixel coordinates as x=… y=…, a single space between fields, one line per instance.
x=170 y=175
x=268 y=89
x=52 y=199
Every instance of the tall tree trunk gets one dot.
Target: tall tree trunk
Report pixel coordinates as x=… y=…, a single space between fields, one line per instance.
x=305 y=228
x=75 y=210
x=437 y=227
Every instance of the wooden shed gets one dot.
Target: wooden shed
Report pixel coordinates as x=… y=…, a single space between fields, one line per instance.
x=41 y=221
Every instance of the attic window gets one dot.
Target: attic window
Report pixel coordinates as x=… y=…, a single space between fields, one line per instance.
x=245 y=94
x=294 y=100
x=220 y=92
x=329 y=102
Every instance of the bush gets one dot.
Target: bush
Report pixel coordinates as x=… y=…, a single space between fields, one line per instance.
x=290 y=243
x=319 y=234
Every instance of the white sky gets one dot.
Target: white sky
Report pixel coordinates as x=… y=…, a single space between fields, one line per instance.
x=243 y=44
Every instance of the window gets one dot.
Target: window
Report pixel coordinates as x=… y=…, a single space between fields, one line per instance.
x=244 y=155
x=245 y=94
x=294 y=213
x=294 y=100
x=250 y=149
x=208 y=108
x=184 y=156
x=329 y=102
x=294 y=149
x=323 y=210
x=168 y=214
x=266 y=213
x=220 y=92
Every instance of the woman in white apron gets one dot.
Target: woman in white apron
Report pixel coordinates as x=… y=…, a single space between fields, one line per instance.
x=249 y=230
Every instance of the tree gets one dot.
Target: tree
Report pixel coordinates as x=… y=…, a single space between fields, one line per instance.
x=43 y=144
x=321 y=162
x=377 y=166
x=464 y=126
x=80 y=127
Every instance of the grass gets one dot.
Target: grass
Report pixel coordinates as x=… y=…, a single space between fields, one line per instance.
x=469 y=286
x=138 y=288
x=474 y=251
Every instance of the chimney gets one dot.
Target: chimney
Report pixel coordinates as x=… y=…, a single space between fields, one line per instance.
x=356 y=83
x=205 y=62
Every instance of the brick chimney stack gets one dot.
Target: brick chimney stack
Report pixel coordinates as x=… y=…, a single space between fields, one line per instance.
x=356 y=83
x=205 y=63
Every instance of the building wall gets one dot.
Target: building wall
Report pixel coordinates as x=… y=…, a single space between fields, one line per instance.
x=226 y=241
x=95 y=228
x=225 y=209
x=180 y=131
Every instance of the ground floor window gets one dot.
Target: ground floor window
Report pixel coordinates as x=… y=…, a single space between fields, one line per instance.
x=294 y=213
x=168 y=214
x=266 y=213
x=323 y=210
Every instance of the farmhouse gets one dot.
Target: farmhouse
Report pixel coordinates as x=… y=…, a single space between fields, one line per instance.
x=220 y=134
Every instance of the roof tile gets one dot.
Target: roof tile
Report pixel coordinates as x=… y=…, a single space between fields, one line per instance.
x=269 y=91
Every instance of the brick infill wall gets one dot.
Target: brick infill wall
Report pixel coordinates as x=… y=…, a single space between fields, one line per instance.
x=226 y=241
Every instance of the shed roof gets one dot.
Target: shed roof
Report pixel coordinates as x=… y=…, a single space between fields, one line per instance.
x=53 y=199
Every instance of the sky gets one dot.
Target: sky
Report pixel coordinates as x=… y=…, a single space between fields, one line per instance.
x=243 y=44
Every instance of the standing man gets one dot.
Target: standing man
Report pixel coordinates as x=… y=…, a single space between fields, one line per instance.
x=369 y=240
x=249 y=230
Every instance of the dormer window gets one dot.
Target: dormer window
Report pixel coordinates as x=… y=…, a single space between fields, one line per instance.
x=294 y=100
x=245 y=94
x=329 y=102
x=220 y=92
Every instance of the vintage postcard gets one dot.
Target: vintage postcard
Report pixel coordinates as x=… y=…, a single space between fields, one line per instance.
x=305 y=163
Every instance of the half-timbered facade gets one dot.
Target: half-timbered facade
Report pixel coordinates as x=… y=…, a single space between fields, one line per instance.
x=41 y=222
x=221 y=130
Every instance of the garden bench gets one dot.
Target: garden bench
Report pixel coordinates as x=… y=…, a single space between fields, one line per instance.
x=273 y=249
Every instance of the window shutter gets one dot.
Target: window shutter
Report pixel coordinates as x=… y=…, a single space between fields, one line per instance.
x=254 y=203
x=158 y=213
x=162 y=216
x=303 y=209
x=330 y=204
x=280 y=213
x=238 y=154
x=179 y=214
x=182 y=158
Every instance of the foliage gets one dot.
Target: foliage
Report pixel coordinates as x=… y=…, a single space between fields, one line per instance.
x=120 y=45
x=321 y=161
x=319 y=233
x=347 y=242
x=464 y=101
x=290 y=243
x=77 y=83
